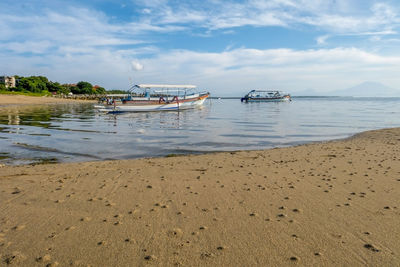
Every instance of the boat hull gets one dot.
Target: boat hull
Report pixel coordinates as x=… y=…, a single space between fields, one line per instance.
x=281 y=99
x=159 y=105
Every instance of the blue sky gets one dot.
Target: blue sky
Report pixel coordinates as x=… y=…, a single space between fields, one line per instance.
x=226 y=47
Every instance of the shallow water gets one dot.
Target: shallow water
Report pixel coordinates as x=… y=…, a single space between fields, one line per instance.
x=76 y=132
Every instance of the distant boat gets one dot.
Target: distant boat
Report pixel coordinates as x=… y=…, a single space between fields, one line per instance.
x=266 y=96
x=157 y=97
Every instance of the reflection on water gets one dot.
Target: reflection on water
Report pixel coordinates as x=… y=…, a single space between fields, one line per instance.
x=76 y=132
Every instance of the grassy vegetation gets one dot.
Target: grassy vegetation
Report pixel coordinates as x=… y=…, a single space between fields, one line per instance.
x=42 y=161
x=172 y=155
x=40 y=85
x=43 y=93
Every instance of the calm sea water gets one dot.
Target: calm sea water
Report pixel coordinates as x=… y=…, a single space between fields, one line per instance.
x=76 y=132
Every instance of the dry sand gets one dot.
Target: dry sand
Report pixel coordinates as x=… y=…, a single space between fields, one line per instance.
x=324 y=204
x=9 y=100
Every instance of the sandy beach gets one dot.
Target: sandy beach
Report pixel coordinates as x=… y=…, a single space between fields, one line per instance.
x=12 y=100
x=323 y=204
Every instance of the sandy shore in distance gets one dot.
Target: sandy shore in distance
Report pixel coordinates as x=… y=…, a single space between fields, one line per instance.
x=324 y=204
x=7 y=100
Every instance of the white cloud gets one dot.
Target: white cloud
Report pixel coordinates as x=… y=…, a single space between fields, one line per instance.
x=335 y=16
x=136 y=66
x=322 y=39
x=36 y=47
x=146 y=11
x=74 y=27
x=230 y=72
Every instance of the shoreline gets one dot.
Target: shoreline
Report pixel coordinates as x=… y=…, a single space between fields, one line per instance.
x=7 y=101
x=199 y=153
x=325 y=203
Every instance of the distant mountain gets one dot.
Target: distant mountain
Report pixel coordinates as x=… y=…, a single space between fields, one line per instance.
x=371 y=89
x=365 y=89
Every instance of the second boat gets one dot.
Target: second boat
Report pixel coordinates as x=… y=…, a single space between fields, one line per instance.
x=266 y=96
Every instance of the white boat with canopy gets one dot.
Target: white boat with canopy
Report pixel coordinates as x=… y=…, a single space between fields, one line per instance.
x=266 y=96
x=158 y=97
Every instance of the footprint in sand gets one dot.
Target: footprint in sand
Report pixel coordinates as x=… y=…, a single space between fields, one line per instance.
x=16 y=191
x=206 y=255
x=85 y=219
x=371 y=247
x=128 y=240
x=52 y=235
x=176 y=232
x=14 y=258
x=18 y=227
x=101 y=243
x=44 y=258
x=110 y=204
x=133 y=211
x=150 y=258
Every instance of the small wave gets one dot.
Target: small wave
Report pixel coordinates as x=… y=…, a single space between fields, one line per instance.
x=49 y=149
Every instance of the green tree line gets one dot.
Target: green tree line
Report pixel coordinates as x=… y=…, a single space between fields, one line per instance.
x=40 y=84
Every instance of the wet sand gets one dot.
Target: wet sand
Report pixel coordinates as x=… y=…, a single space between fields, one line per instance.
x=325 y=204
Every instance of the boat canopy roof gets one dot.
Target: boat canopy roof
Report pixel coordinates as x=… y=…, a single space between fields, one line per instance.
x=265 y=91
x=188 y=86
x=163 y=89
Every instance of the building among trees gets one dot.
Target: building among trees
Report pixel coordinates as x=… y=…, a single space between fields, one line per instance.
x=8 y=81
x=42 y=85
